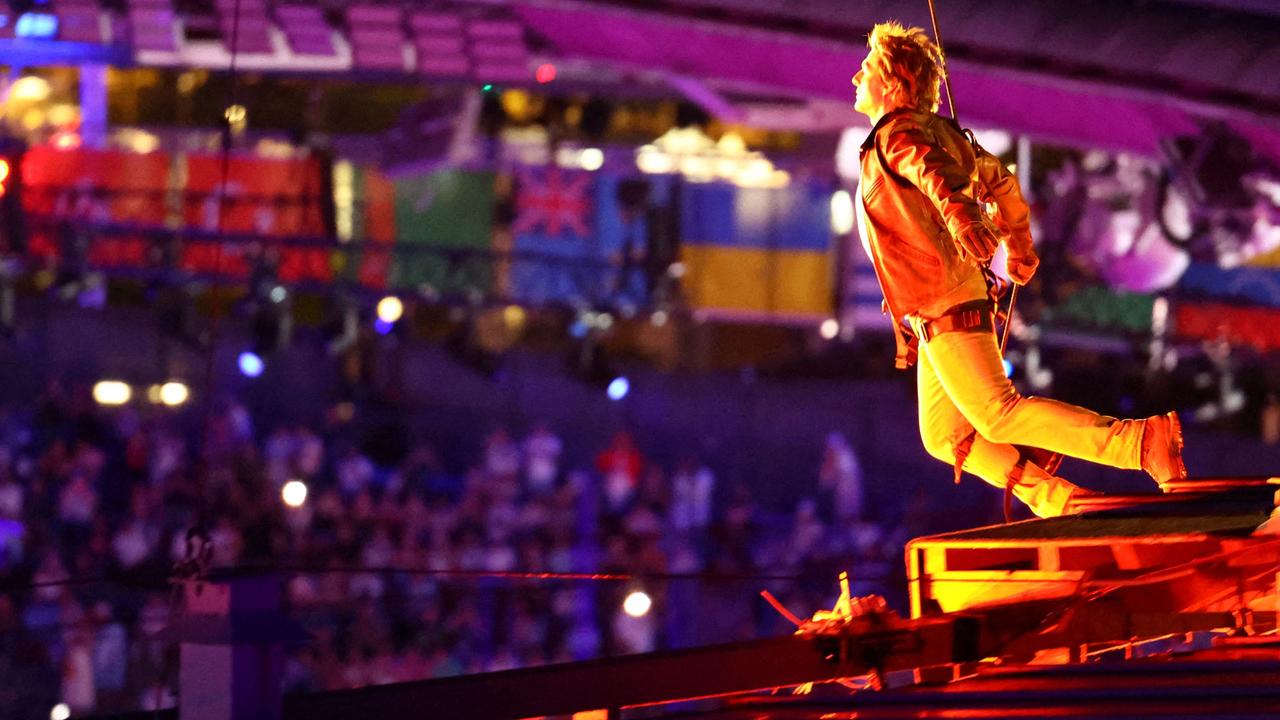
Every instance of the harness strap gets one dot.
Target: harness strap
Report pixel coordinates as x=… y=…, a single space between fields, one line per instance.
x=1015 y=477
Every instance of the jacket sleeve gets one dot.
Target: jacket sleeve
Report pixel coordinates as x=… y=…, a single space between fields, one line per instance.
x=910 y=152
x=1015 y=216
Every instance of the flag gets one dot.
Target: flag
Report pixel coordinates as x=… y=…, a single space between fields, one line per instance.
x=271 y=197
x=1258 y=285
x=446 y=210
x=757 y=253
x=578 y=237
x=95 y=186
x=375 y=226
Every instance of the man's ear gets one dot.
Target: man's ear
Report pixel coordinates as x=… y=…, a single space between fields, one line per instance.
x=893 y=88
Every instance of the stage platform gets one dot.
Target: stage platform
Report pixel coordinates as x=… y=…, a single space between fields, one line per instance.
x=1113 y=538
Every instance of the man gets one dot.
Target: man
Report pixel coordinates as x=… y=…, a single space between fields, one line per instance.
x=929 y=241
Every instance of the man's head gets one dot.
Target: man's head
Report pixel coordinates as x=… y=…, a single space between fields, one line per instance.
x=902 y=69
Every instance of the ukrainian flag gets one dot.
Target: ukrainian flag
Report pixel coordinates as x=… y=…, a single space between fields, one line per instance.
x=757 y=254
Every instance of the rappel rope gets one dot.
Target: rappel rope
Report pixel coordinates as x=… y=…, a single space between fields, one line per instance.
x=951 y=103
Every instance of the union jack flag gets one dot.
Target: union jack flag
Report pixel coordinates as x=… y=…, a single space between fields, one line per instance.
x=554 y=201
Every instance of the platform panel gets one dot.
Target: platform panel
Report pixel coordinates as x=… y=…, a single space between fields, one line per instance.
x=1049 y=558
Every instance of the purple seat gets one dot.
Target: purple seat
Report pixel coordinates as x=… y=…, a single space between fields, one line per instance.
x=299 y=13
x=505 y=52
x=501 y=72
x=252 y=36
x=79 y=23
x=440 y=46
x=378 y=58
x=454 y=66
x=377 y=36
x=496 y=30
x=248 y=8
x=436 y=24
x=305 y=30
x=368 y=15
x=377 y=49
x=312 y=43
x=152 y=28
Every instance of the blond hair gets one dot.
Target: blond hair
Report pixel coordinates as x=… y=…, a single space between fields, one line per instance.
x=910 y=63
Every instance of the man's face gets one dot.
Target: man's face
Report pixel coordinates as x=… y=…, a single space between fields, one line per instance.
x=869 y=95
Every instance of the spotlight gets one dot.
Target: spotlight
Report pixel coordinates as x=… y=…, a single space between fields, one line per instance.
x=842 y=213
x=250 y=364
x=619 y=388
x=236 y=114
x=60 y=712
x=829 y=328
x=174 y=394
x=545 y=73
x=382 y=326
x=112 y=392
x=279 y=294
x=294 y=493
x=390 y=309
x=591 y=159
x=637 y=604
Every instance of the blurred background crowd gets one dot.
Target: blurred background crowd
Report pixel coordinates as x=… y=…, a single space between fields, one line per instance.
x=108 y=497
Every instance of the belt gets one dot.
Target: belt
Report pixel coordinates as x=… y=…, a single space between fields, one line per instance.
x=968 y=317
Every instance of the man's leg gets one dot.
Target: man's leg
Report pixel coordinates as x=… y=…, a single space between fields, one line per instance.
x=943 y=427
x=970 y=370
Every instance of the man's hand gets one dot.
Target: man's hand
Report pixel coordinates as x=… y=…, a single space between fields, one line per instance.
x=977 y=241
x=1020 y=269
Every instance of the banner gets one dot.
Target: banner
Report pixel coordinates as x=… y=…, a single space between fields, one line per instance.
x=583 y=237
x=1258 y=328
x=757 y=253
x=445 y=210
x=375 y=225
x=271 y=197
x=1254 y=285
x=1099 y=308
x=97 y=186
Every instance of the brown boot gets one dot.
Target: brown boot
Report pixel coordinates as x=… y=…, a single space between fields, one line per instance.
x=1162 y=449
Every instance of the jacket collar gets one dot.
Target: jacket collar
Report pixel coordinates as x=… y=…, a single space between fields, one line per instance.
x=884 y=120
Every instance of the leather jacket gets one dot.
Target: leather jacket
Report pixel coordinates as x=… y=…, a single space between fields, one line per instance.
x=920 y=175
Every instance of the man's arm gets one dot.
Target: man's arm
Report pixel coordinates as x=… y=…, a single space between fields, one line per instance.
x=1015 y=216
x=913 y=154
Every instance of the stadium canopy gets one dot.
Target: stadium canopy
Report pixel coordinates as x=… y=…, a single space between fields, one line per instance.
x=1113 y=74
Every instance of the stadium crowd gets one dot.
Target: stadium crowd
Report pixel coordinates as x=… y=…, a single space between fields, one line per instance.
x=96 y=504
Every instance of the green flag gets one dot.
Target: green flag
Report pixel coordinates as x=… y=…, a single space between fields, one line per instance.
x=449 y=209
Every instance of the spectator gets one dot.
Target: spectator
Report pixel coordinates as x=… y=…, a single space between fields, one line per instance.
x=620 y=465
x=354 y=471
x=79 y=689
x=134 y=543
x=807 y=531
x=692 y=488
x=542 y=450
x=12 y=494
x=840 y=479
x=501 y=455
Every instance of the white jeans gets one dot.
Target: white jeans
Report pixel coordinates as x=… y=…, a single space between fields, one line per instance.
x=962 y=387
